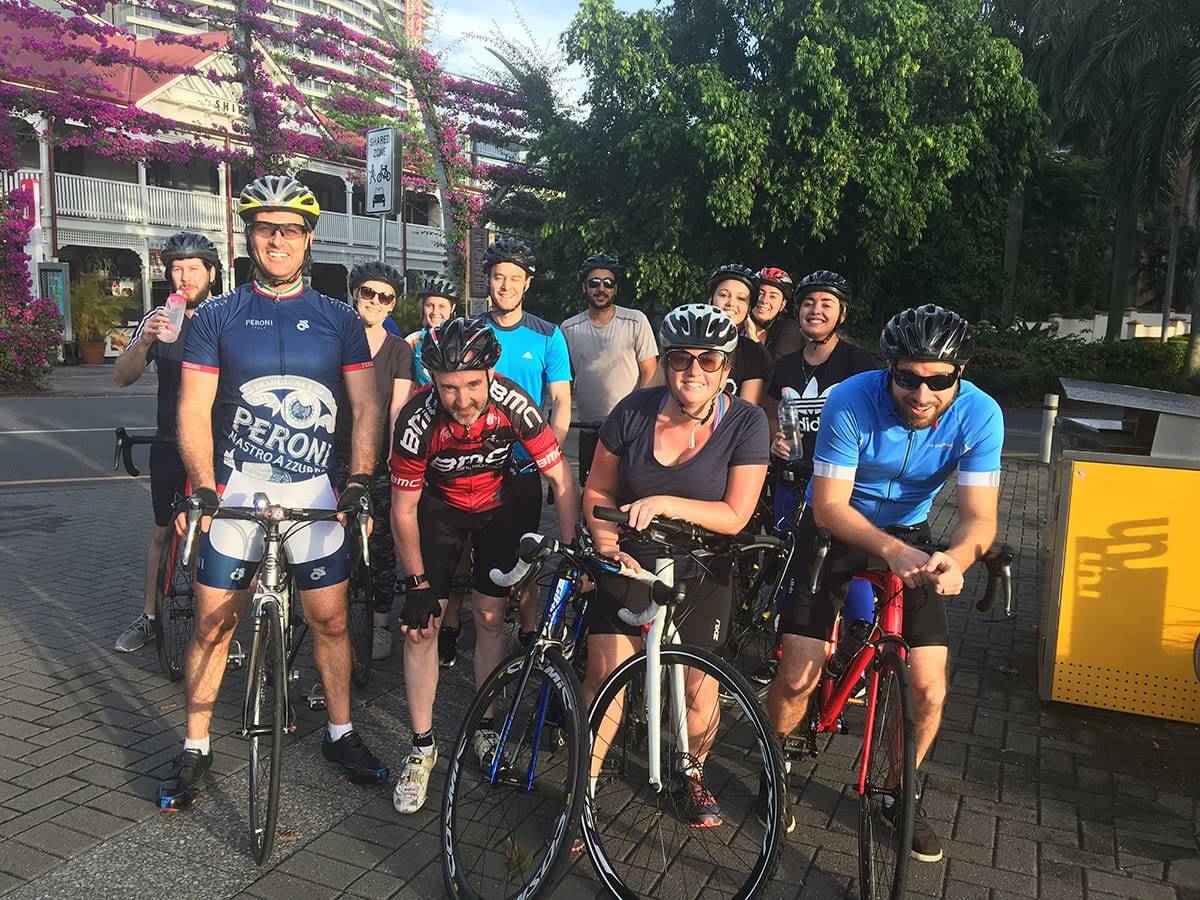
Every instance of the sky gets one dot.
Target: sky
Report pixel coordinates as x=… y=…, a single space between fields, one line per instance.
x=459 y=26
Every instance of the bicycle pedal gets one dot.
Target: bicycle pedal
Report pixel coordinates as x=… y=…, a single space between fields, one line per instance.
x=316 y=697
x=236 y=657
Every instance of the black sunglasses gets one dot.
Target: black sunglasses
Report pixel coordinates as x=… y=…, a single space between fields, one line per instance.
x=366 y=293
x=908 y=380
x=681 y=360
x=609 y=283
x=266 y=230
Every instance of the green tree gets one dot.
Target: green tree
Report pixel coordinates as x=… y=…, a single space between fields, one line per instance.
x=808 y=133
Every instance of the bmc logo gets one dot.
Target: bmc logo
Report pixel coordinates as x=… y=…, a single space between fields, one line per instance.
x=493 y=459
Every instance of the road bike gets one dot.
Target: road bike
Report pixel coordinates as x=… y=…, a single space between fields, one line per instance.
x=278 y=633
x=876 y=651
x=673 y=807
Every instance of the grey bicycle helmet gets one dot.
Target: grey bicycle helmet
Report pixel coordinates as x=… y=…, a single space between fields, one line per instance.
x=698 y=326
x=459 y=345
x=278 y=193
x=376 y=271
x=733 y=271
x=928 y=333
x=823 y=280
x=437 y=286
x=189 y=245
x=511 y=250
x=600 y=261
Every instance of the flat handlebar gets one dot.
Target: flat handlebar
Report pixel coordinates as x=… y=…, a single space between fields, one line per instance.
x=662 y=530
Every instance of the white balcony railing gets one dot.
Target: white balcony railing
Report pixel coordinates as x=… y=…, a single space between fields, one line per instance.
x=333 y=228
x=98 y=198
x=185 y=209
x=10 y=181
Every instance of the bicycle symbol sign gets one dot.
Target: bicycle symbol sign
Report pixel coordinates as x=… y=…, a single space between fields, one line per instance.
x=381 y=161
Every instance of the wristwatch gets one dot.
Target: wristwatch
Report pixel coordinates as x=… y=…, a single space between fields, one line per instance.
x=412 y=582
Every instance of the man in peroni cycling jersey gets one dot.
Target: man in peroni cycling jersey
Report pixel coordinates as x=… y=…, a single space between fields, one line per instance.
x=450 y=462
x=265 y=369
x=887 y=442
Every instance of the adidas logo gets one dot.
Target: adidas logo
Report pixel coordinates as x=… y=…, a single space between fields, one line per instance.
x=813 y=399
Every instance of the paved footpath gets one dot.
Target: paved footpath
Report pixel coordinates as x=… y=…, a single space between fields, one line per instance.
x=1033 y=799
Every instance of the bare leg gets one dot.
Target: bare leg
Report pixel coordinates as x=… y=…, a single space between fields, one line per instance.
x=217 y=613
x=605 y=653
x=703 y=712
x=325 y=613
x=421 y=678
x=799 y=672
x=153 y=554
x=927 y=673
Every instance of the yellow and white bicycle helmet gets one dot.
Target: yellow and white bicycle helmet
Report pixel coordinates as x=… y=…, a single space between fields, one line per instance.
x=278 y=192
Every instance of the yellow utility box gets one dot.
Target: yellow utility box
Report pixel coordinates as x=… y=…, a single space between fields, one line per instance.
x=1121 y=611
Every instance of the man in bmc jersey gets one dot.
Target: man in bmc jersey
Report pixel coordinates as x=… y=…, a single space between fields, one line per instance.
x=887 y=442
x=451 y=454
x=265 y=369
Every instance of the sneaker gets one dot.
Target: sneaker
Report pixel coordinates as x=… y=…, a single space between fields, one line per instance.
x=179 y=789
x=765 y=673
x=413 y=783
x=136 y=636
x=703 y=810
x=526 y=639
x=760 y=807
x=926 y=847
x=381 y=642
x=361 y=765
x=448 y=646
x=485 y=743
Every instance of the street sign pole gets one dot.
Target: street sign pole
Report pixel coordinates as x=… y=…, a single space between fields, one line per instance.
x=383 y=238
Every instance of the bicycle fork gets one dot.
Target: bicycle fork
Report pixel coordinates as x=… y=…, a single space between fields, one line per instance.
x=660 y=629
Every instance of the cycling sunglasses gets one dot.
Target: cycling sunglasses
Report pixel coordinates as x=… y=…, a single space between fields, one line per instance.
x=267 y=230
x=908 y=380
x=609 y=283
x=681 y=360
x=382 y=297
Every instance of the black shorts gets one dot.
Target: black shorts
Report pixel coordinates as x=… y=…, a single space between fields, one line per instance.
x=925 y=622
x=444 y=531
x=588 y=439
x=524 y=494
x=167 y=482
x=702 y=619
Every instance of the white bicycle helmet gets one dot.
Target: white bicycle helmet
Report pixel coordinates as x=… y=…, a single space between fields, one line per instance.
x=698 y=326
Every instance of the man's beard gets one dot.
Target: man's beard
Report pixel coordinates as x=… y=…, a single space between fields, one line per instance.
x=468 y=418
x=915 y=422
x=595 y=303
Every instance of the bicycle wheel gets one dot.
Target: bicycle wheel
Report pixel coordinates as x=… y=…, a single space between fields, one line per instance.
x=704 y=834
x=885 y=836
x=266 y=716
x=360 y=619
x=753 y=632
x=512 y=837
x=174 y=608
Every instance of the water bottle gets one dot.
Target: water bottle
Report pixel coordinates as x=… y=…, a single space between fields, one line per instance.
x=789 y=423
x=176 y=306
x=858 y=613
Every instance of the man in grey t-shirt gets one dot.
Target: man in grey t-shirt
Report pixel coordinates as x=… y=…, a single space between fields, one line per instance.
x=612 y=349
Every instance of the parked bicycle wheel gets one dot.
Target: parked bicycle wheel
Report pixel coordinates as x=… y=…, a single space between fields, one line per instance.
x=265 y=720
x=701 y=836
x=753 y=637
x=360 y=620
x=511 y=837
x=885 y=815
x=174 y=608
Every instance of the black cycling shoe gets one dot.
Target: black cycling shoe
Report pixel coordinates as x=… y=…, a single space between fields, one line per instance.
x=361 y=765
x=926 y=846
x=766 y=672
x=179 y=789
x=760 y=806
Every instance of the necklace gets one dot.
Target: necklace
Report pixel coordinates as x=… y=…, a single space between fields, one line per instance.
x=700 y=421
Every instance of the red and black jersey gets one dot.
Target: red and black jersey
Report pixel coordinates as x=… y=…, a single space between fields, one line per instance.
x=466 y=466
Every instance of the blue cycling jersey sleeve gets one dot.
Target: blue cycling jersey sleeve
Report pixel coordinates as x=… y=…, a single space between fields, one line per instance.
x=356 y=353
x=837 y=451
x=558 y=358
x=202 y=349
x=980 y=463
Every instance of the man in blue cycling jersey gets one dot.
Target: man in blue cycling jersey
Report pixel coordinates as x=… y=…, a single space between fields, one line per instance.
x=265 y=369
x=887 y=442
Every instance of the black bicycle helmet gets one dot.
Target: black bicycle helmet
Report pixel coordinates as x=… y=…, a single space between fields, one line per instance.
x=437 y=286
x=458 y=345
x=510 y=250
x=376 y=271
x=278 y=192
x=189 y=245
x=823 y=280
x=698 y=326
x=600 y=261
x=928 y=333
x=744 y=274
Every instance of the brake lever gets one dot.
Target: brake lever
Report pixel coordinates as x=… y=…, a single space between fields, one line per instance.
x=824 y=541
x=364 y=519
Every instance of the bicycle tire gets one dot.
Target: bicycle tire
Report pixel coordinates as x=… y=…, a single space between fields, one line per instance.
x=755 y=840
x=266 y=716
x=753 y=630
x=174 y=608
x=360 y=618
x=487 y=869
x=888 y=696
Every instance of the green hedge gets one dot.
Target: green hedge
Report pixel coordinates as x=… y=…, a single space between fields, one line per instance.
x=1025 y=365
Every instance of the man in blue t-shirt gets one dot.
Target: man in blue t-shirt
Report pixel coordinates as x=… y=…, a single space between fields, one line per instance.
x=887 y=442
x=265 y=369
x=534 y=355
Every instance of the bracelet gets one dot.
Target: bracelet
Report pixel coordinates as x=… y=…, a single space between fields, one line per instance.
x=412 y=582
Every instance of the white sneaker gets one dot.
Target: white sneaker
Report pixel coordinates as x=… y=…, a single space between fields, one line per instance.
x=381 y=642
x=136 y=636
x=485 y=743
x=413 y=783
